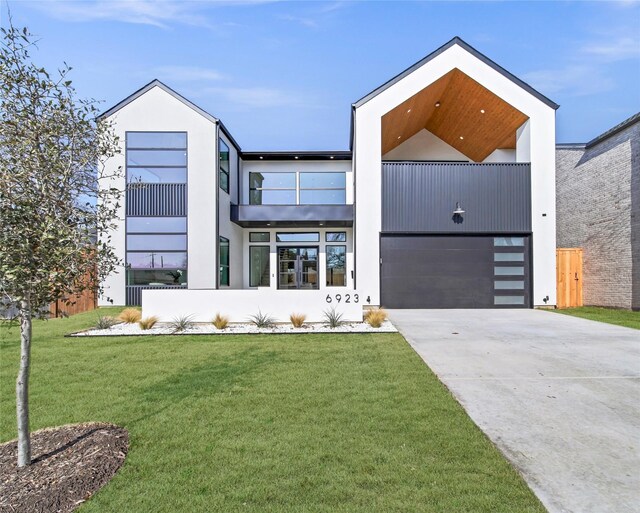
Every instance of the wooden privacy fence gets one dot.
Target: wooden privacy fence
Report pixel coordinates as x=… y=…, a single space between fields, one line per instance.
x=87 y=300
x=569 y=277
x=78 y=303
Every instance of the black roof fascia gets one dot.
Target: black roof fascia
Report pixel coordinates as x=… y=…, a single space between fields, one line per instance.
x=229 y=136
x=613 y=131
x=296 y=155
x=166 y=88
x=457 y=41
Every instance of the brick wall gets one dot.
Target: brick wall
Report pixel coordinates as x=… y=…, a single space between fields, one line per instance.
x=598 y=196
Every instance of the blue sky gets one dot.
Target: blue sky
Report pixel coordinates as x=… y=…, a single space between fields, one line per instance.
x=282 y=75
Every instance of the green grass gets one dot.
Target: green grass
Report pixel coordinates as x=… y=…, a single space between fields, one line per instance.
x=321 y=423
x=625 y=318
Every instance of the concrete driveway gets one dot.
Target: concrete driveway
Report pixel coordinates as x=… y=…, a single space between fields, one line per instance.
x=560 y=397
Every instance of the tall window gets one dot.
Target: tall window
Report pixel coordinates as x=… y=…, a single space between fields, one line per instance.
x=156 y=157
x=223 y=252
x=156 y=245
x=336 y=266
x=224 y=165
x=259 y=272
x=297 y=188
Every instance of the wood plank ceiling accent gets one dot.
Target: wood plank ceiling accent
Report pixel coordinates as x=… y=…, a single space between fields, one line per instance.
x=458 y=120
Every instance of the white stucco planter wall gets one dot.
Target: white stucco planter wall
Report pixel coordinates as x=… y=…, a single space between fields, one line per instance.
x=238 y=305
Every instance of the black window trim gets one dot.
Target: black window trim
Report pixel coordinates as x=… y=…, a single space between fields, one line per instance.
x=227 y=173
x=221 y=265
x=326 y=264
x=251 y=247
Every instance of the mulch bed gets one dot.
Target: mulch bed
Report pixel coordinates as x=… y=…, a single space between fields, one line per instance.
x=69 y=464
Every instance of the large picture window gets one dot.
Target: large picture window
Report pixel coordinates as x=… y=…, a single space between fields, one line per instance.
x=297 y=188
x=156 y=157
x=259 y=272
x=223 y=254
x=224 y=165
x=336 y=266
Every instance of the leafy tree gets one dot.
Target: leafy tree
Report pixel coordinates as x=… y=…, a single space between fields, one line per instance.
x=54 y=217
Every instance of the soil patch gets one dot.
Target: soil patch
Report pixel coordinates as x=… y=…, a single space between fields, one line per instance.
x=70 y=463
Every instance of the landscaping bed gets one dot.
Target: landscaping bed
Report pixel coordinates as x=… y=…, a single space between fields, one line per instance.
x=123 y=328
x=69 y=464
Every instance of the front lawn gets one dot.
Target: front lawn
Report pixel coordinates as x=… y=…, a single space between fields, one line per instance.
x=625 y=318
x=275 y=423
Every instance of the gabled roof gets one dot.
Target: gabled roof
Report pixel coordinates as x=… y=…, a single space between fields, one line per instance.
x=457 y=41
x=177 y=96
x=165 y=88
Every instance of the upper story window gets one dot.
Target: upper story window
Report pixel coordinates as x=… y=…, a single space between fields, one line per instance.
x=224 y=165
x=297 y=188
x=156 y=157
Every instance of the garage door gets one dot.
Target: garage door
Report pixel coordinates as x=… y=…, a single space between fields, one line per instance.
x=469 y=271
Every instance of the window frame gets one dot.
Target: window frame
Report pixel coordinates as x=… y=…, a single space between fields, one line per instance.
x=301 y=241
x=329 y=247
x=261 y=247
x=223 y=240
x=221 y=171
x=154 y=148
x=268 y=234
x=344 y=239
x=298 y=189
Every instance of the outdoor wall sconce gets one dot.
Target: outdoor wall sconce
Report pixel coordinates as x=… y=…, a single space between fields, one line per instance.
x=458 y=211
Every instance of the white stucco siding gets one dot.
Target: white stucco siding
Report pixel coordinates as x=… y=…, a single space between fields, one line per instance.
x=367 y=165
x=158 y=111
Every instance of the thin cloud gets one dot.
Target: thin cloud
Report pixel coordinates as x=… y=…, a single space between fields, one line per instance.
x=576 y=80
x=620 y=49
x=189 y=74
x=255 y=97
x=158 y=13
x=307 y=22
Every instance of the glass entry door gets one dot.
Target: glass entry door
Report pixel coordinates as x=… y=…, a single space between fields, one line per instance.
x=298 y=268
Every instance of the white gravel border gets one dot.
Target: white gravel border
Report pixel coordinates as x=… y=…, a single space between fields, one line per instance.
x=124 y=329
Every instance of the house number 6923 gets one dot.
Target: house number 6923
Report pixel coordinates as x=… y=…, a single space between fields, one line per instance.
x=348 y=298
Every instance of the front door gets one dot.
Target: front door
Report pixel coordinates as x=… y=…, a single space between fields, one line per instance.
x=298 y=268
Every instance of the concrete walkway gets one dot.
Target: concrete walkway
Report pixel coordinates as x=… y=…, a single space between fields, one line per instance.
x=560 y=397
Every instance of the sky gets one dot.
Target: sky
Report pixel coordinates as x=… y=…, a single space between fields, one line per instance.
x=283 y=75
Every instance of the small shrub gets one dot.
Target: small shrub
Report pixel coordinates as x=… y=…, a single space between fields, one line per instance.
x=333 y=318
x=220 y=321
x=148 y=322
x=179 y=324
x=376 y=317
x=130 y=315
x=105 y=322
x=262 y=320
x=297 y=319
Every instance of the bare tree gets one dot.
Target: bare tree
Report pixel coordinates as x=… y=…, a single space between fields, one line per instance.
x=54 y=217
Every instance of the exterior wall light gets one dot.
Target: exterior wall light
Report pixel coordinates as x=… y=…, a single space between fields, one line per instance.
x=458 y=211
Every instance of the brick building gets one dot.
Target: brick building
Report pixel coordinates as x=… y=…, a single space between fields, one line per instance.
x=598 y=209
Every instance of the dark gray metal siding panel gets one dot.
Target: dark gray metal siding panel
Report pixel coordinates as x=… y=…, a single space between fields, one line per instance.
x=157 y=199
x=421 y=197
x=292 y=215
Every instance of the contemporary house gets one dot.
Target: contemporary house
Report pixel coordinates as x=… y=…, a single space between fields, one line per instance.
x=446 y=199
x=598 y=203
